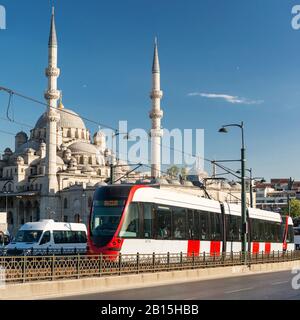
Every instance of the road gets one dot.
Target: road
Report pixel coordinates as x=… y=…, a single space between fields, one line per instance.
x=260 y=286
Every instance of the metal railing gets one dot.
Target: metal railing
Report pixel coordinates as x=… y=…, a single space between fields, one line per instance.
x=31 y=252
x=49 y=268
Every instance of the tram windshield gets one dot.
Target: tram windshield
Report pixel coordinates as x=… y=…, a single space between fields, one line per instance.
x=106 y=217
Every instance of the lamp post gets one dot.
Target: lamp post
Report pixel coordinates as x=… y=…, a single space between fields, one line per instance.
x=243 y=179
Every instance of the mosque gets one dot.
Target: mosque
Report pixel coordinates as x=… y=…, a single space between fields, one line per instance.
x=53 y=172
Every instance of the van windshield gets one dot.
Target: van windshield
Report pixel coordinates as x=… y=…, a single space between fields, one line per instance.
x=28 y=236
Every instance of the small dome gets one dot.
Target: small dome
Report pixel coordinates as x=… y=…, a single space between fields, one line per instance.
x=73 y=161
x=28 y=145
x=68 y=119
x=22 y=134
x=83 y=148
x=99 y=134
x=8 y=151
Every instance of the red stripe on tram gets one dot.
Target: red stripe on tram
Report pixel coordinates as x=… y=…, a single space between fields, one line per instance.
x=215 y=248
x=255 y=247
x=267 y=247
x=193 y=247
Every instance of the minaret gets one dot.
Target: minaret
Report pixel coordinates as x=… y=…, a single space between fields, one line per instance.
x=156 y=115
x=52 y=95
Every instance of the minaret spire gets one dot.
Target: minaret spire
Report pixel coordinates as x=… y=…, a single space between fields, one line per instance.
x=52 y=36
x=156 y=115
x=52 y=95
x=155 y=66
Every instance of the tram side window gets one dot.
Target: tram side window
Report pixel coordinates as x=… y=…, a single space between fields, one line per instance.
x=273 y=236
x=163 y=215
x=204 y=225
x=268 y=233
x=130 y=227
x=265 y=231
x=179 y=223
x=193 y=225
x=215 y=219
x=148 y=220
x=261 y=230
x=233 y=227
x=255 y=230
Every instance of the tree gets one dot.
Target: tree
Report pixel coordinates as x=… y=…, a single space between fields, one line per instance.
x=294 y=208
x=183 y=172
x=173 y=172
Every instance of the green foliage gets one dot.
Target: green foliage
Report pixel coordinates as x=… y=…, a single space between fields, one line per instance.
x=294 y=208
x=173 y=172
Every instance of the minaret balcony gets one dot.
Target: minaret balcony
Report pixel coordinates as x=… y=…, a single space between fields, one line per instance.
x=156 y=94
x=52 y=94
x=52 y=72
x=156 y=133
x=156 y=114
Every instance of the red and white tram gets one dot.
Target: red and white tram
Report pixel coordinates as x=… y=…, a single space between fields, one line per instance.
x=129 y=219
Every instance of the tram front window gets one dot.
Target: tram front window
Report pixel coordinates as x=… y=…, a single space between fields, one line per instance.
x=105 y=220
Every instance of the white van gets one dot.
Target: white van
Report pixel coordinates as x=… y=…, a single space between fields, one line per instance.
x=49 y=237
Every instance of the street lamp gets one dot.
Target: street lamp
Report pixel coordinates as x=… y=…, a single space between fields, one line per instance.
x=243 y=179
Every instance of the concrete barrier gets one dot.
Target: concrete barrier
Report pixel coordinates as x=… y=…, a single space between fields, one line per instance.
x=44 y=290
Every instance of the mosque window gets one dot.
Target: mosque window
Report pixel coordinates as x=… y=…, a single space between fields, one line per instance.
x=82 y=135
x=90 y=160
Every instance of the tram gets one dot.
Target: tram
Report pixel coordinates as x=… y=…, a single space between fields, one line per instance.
x=145 y=219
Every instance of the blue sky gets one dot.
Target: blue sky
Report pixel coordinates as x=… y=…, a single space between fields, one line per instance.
x=243 y=49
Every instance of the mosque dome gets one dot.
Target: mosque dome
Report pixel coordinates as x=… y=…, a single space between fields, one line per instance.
x=59 y=161
x=68 y=119
x=81 y=147
x=28 y=145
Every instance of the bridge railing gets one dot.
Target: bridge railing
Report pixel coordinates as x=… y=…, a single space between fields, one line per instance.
x=20 y=269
